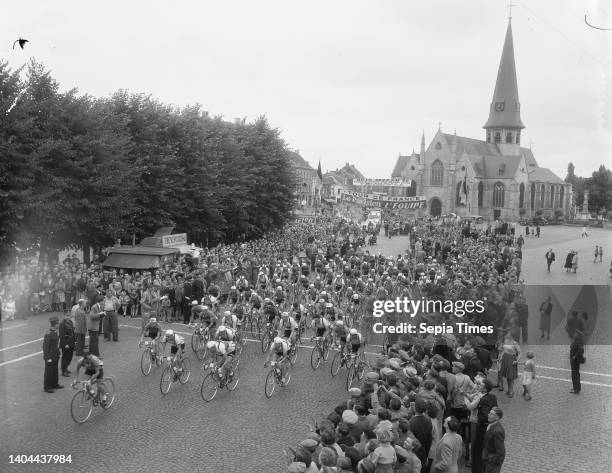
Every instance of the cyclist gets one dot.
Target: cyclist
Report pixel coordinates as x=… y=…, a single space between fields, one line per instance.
x=230 y=320
x=94 y=369
x=355 y=340
x=176 y=342
x=208 y=318
x=152 y=330
x=255 y=300
x=278 y=350
x=320 y=325
x=196 y=311
x=225 y=334
x=279 y=295
x=339 y=332
x=288 y=327
x=262 y=281
x=224 y=350
x=233 y=295
x=242 y=284
x=313 y=294
x=270 y=310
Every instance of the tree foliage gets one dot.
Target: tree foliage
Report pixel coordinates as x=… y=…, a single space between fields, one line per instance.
x=79 y=171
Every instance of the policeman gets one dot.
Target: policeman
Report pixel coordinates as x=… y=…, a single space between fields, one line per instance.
x=51 y=353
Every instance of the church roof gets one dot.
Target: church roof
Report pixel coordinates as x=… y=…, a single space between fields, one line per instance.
x=495 y=167
x=401 y=163
x=331 y=179
x=474 y=147
x=298 y=161
x=544 y=175
x=505 y=106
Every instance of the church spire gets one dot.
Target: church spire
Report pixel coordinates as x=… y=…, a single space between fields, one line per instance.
x=504 y=123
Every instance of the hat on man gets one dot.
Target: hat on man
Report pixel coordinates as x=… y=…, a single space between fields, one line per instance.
x=371 y=377
x=349 y=417
x=309 y=444
x=404 y=356
x=355 y=392
x=395 y=363
x=314 y=436
x=54 y=319
x=386 y=371
x=410 y=371
x=460 y=366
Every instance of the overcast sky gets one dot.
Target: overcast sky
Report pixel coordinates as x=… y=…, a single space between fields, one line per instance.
x=346 y=81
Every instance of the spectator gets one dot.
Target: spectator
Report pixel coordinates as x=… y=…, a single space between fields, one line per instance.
x=80 y=326
x=545 y=314
x=576 y=359
x=66 y=342
x=449 y=448
x=494 y=451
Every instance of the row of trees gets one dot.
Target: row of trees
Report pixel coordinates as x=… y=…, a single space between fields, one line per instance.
x=599 y=186
x=79 y=171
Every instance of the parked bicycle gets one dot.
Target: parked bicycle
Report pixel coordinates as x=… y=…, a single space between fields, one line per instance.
x=86 y=398
x=175 y=371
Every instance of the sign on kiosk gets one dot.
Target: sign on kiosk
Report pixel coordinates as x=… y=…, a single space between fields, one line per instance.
x=171 y=241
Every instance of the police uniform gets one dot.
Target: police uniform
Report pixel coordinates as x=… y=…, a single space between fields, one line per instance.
x=51 y=353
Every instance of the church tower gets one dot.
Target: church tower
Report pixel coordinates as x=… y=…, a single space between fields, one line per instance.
x=504 y=124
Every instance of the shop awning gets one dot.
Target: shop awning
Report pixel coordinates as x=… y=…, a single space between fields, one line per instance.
x=127 y=261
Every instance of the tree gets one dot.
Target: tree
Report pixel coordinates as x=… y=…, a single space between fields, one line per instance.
x=600 y=189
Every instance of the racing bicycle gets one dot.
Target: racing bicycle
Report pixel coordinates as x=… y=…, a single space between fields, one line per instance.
x=85 y=398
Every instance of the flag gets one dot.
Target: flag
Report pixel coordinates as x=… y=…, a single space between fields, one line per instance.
x=319 y=173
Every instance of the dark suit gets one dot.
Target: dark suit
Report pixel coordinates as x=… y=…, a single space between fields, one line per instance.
x=484 y=406
x=67 y=339
x=51 y=354
x=494 y=451
x=422 y=429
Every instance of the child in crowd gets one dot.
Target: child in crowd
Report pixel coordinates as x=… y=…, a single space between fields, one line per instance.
x=528 y=376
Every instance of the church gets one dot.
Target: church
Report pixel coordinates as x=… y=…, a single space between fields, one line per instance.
x=495 y=178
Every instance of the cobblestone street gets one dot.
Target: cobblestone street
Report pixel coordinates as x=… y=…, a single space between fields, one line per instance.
x=243 y=431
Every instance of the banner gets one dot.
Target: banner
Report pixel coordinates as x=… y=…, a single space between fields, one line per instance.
x=385 y=202
x=393 y=182
x=170 y=241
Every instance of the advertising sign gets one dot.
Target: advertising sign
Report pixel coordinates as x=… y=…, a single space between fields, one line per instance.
x=170 y=241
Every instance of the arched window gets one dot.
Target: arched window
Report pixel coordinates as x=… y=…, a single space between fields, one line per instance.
x=561 y=195
x=437 y=173
x=521 y=195
x=542 y=195
x=549 y=195
x=458 y=194
x=533 y=195
x=498 y=194
x=480 y=193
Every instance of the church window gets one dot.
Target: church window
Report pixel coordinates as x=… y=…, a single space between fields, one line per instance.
x=438 y=145
x=561 y=195
x=521 y=195
x=498 y=136
x=548 y=196
x=509 y=137
x=518 y=137
x=542 y=195
x=480 y=193
x=458 y=194
x=437 y=173
x=533 y=195
x=498 y=194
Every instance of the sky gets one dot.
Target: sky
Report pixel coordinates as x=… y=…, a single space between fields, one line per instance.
x=345 y=81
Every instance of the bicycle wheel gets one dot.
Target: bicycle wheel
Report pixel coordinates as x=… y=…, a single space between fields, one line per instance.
x=315 y=358
x=233 y=383
x=326 y=350
x=109 y=389
x=350 y=376
x=166 y=380
x=294 y=354
x=255 y=326
x=146 y=362
x=265 y=342
x=81 y=406
x=270 y=383
x=195 y=342
x=209 y=387
x=186 y=373
x=336 y=362
x=287 y=379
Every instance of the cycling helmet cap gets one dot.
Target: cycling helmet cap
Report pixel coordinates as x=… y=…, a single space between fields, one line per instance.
x=169 y=333
x=328 y=305
x=194 y=302
x=222 y=328
x=278 y=341
x=152 y=320
x=340 y=322
x=233 y=287
x=353 y=331
x=285 y=314
x=227 y=313
x=210 y=345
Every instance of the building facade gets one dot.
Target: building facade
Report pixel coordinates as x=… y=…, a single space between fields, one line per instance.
x=307 y=182
x=496 y=177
